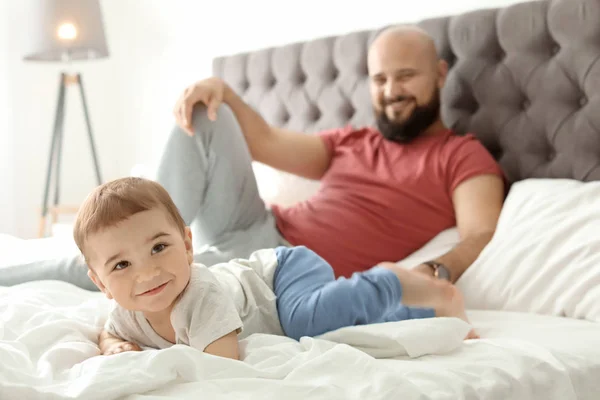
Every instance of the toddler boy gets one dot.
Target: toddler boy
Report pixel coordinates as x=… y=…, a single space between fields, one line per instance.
x=139 y=253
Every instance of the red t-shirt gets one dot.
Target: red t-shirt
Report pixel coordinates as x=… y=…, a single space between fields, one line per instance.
x=380 y=200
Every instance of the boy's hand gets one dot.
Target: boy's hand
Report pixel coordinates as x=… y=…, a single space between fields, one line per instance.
x=118 y=346
x=110 y=344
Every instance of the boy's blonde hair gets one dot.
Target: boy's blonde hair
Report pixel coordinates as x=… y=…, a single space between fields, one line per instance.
x=119 y=199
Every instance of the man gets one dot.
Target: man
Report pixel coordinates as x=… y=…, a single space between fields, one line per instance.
x=385 y=192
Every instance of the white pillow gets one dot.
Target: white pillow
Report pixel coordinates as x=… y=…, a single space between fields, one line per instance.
x=545 y=255
x=282 y=188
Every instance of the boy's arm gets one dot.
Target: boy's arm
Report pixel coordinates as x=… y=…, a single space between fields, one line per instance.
x=110 y=344
x=227 y=346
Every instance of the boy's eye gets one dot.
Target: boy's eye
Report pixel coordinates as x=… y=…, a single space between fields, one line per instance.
x=158 y=248
x=121 y=265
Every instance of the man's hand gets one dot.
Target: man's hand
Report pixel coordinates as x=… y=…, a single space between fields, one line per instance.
x=110 y=344
x=209 y=91
x=421 y=268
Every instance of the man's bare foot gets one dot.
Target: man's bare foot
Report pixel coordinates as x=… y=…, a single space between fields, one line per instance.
x=421 y=290
x=454 y=307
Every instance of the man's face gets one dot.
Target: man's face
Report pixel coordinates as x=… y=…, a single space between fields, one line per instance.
x=143 y=262
x=404 y=129
x=405 y=85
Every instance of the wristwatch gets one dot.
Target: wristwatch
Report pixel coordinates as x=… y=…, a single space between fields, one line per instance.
x=440 y=271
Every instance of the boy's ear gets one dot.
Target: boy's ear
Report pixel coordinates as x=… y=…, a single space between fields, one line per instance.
x=98 y=283
x=189 y=247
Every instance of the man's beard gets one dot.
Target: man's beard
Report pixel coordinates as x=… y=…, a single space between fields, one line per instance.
x=419 y=120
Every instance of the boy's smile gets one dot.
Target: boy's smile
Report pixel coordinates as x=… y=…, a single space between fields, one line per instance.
x=154 y=291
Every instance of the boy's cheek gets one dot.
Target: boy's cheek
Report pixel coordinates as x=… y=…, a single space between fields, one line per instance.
x=107 y=293
x=115 y=289
x=100 y=284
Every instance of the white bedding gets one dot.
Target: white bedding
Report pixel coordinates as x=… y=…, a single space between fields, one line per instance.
x=48 y=330
x=48 y=350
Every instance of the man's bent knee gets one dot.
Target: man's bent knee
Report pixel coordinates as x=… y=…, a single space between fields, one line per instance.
x=201 y=122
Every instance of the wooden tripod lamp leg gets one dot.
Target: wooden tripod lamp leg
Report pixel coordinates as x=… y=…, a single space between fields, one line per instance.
x=56 y=151
x=57 y=131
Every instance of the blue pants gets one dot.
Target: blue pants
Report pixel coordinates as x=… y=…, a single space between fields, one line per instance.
x=311 y=301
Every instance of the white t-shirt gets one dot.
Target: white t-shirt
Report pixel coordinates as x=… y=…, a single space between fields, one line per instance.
x=237 y=295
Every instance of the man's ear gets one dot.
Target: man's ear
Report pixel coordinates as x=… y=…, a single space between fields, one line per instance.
x=92 y=275
x=189 y=247
x=442 y=73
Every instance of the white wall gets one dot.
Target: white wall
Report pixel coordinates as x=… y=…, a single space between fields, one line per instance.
x=7 y=164
x=157 y=48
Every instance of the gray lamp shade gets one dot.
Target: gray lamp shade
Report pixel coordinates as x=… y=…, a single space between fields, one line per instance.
x=60 y=30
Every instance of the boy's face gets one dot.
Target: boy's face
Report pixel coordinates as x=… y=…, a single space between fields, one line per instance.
x=143 y=262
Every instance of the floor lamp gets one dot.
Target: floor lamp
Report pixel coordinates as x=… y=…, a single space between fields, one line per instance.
x=64 y=31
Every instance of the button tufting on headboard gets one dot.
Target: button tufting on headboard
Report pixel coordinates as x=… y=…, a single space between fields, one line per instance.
x=525 y=79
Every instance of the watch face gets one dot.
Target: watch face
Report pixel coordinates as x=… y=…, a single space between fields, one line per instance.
x=442 y=273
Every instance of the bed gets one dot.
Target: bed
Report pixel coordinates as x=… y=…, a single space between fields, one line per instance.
x=526 y=80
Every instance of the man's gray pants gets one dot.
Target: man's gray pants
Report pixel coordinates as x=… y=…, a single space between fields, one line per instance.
x=210 y=178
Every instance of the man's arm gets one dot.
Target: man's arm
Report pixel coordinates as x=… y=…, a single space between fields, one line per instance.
x=477 y=203
x=294 y=152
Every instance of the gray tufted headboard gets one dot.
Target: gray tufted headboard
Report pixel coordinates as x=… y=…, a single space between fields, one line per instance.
x=524 y=79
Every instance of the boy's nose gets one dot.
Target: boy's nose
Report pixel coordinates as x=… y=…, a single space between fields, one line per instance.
x=148 y=273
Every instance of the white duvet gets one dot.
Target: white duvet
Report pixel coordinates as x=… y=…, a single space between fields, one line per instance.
x=48 y=350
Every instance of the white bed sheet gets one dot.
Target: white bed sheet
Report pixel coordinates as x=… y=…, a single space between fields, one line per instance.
x=48 y=350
